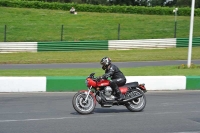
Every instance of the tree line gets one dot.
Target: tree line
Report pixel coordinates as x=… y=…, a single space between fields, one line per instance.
x=170 y=3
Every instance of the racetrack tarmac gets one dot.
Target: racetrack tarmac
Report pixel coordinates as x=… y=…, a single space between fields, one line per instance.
x=42 y=112
x=95 y=65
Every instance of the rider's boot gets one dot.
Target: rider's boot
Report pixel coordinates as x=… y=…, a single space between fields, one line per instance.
x=120 y=97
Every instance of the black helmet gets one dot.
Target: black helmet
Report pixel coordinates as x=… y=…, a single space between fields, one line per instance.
x=105 y=62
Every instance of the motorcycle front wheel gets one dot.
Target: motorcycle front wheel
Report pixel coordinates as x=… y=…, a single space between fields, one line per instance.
x=82 y=106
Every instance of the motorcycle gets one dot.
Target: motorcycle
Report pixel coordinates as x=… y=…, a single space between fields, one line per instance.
x=84 y=101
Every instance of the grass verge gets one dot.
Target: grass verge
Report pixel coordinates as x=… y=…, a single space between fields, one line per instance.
x=138 y=71
x=95 y=56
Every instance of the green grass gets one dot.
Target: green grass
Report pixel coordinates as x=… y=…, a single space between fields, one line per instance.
x=36 y=25
x=138 y=71
x=95 y=56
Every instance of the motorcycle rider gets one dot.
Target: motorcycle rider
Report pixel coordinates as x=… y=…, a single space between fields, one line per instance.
x=117 y=77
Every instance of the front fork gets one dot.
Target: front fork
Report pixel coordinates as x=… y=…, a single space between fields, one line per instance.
x=88 y=93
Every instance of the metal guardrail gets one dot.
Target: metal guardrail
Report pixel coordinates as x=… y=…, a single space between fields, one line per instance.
x=183 y=42
x=7 y=47
x=72 y=45
x=144 y=43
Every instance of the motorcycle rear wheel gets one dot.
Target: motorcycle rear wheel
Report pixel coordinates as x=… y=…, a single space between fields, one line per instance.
x=81 y=106
x=138 y=104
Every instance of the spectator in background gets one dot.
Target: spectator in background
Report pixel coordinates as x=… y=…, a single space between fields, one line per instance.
x=72 y=10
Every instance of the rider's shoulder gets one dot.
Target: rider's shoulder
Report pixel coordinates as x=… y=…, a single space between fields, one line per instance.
x=113 y=66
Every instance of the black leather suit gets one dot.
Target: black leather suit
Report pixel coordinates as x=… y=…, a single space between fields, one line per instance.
x=117 y=77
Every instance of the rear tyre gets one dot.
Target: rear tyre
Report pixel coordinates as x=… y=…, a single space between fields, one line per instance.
x=80 y=105
x=138 y=104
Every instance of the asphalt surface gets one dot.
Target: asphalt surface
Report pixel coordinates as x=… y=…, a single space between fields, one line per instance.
x=165 y=112
x=94 y=65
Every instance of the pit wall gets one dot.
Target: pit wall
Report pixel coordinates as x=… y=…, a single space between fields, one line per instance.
x=76 y=83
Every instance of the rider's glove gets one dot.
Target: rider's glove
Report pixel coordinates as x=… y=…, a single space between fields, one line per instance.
x=99 y=78
x=104 y=76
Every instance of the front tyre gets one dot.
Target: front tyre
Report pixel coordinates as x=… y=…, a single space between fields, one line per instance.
x=138 y=104
x=80 y=105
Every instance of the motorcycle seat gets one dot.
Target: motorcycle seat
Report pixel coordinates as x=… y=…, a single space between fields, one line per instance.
x=131 y=84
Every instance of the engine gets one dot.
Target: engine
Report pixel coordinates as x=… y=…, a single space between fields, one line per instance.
x=108 y=93
x=105 y=95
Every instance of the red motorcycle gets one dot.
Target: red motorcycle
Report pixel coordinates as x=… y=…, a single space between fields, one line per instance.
x=84 y=101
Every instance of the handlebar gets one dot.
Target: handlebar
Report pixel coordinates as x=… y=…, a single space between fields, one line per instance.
x=94 y=78
x=91 y=75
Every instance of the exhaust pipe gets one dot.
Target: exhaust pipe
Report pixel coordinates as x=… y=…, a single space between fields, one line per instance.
x=132 y=98
x=127 y=100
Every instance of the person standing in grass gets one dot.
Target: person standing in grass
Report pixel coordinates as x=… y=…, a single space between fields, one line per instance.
x=72 y=10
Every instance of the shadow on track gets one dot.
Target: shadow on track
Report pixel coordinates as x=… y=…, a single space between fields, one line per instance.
x=105 y=110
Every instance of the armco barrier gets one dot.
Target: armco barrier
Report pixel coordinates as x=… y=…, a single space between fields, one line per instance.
x=96 y=45
x=72 y=45
x=9 y=47
x=65 y=83
x=142 y=43
x=184 y=42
